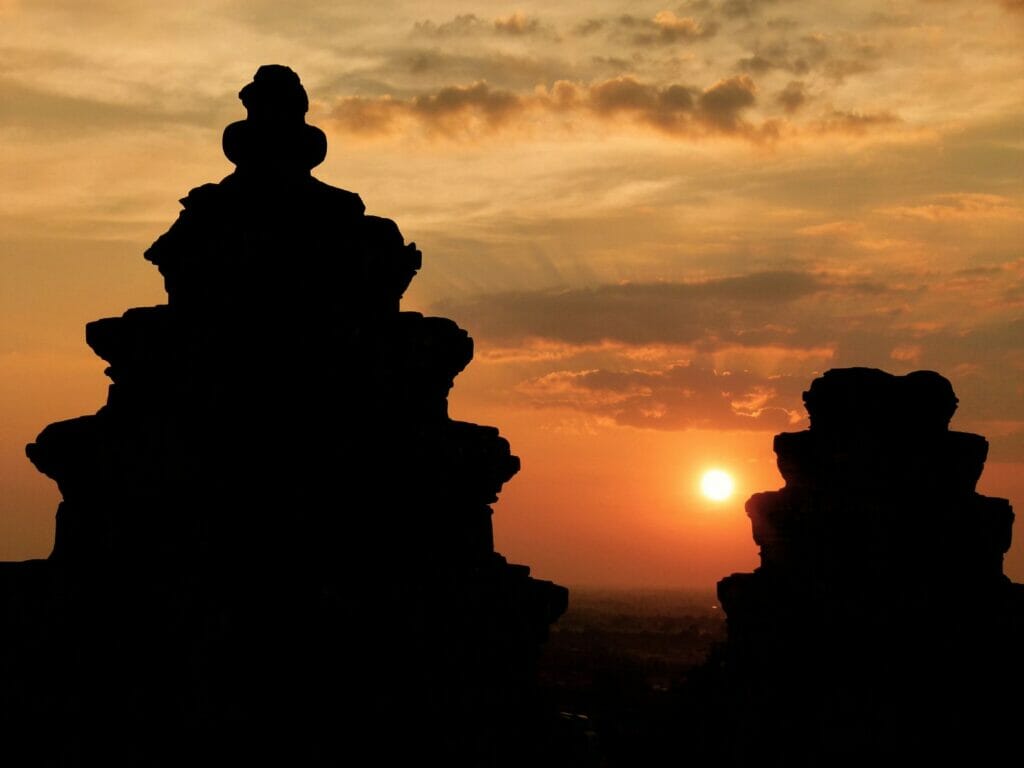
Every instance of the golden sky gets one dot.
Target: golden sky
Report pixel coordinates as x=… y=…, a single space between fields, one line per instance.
x=658 y=221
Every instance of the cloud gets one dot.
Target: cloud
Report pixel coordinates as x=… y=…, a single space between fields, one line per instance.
x=590 y=26
x=671 y=28
x=798 y=56
x=759 y=64
x=450 y=110
x=44 y=112
x=500 y=69
x=735 y=8
x=664 y=28
x=463 y=24
x=363 y=116
x=792 y=97
x=517 y=24
x=840 y=69
x=705 y=391
x=961 y=207
x=738 y=310
x=675 y=109
x=734 y=353
x=682 y=396
x=777 y=55
x=671 y=108
x=856 y=123
x=832 y=229
x=468 y=24
x=494 y=105
x=811 y=53
x=722 y=103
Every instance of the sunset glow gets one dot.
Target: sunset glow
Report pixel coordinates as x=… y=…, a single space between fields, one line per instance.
x=659 y=222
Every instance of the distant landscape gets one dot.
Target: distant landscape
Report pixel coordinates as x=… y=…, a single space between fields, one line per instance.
x=619 y=667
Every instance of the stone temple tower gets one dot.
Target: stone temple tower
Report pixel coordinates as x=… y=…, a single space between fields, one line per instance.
x=879 y=627
x=273 y=540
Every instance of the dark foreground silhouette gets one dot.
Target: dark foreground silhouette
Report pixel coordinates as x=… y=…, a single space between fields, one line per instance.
x=879 y=628
x=274 y=544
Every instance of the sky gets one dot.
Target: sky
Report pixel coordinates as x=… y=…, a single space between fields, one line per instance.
x=660 y=222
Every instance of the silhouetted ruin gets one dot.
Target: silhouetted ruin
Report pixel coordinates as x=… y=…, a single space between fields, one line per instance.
x=273 y=541
x=879 y=628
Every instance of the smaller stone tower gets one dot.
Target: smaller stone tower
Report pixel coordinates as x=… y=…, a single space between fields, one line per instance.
x=879 y=625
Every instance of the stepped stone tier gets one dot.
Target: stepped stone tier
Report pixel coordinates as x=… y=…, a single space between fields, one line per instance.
x=273 y=540
x=879 y=627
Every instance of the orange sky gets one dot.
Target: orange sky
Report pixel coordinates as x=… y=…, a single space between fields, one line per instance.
x=659 y=222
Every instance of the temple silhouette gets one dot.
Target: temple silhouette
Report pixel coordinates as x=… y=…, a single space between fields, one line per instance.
x=274 y=543
x=879 y=627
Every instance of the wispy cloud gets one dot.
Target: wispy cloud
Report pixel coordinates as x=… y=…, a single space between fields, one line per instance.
x=857 y=123
x=50 y=113
x=516 y=24
x=733 y=310
x=684 y=396
x=664 y=28
x=961 y=207
x=463 y=24
x=792 y=97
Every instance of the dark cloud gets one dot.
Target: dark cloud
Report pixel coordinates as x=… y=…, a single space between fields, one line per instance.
x=840 y=69
x=838 y=121
x=675 y=109
x=464 y=24
x=404 y=73
x=794 y=323
x=661 y=106
x=761 y=63
x=758 y=64
x=665 y=28
x=792 y=97
x=590 y=26
x=810 y=53
x=499 y=69
x=517 y=99
x=612 y=62
x=722 y=103
x=517 y=24
x=449 y=110
x=494 y=105
x=737 y=310
x=366 y=116
x=470 y=24
x=798 y=57
x=739 y=8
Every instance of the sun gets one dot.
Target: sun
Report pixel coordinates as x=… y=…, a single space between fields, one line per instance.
x=717 y=485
